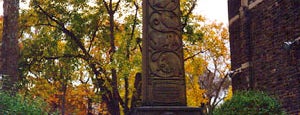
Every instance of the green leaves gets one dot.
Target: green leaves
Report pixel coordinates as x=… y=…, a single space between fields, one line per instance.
x=11 y=105
x=250 y=102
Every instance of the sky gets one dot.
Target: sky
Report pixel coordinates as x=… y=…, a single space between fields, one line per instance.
x=213 y=10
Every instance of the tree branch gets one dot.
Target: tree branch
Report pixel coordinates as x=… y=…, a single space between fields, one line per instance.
x=93 y=36
x=87 y=57
x=132 y=31
x=106 y=6
x=64 y=56
x=219 y=88
x=65 y=30
x=192 y=56
x=50 y=25
x=118 y=3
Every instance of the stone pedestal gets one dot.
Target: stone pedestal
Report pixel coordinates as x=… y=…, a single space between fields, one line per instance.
x=167 y=110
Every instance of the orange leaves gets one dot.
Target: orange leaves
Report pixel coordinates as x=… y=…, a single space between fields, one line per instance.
x=1 y=27
x=76 y=97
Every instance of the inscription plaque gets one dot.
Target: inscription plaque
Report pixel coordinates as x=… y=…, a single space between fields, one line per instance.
x=167 y=92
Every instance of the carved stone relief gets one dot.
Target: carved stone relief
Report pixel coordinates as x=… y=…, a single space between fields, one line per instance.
x=163 y=46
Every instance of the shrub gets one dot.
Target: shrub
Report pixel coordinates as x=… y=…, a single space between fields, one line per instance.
x=11 y=105
x=250 y=103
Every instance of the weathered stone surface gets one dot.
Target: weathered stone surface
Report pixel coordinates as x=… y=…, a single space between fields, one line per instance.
x=163 y=72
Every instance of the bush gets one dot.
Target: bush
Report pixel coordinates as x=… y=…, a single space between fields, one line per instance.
x=250 y=103
x=12 y=105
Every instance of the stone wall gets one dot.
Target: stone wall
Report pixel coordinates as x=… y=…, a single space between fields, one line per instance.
x=258 y=29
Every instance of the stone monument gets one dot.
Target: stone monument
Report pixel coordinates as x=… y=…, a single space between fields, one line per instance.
x=163 y=79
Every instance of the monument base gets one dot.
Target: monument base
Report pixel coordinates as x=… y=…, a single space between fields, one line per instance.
x=167 y=110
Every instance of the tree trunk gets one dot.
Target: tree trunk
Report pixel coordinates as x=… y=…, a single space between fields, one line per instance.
x=9 y=46
x=110 y=102
x=113 y=106
x=113 y=71
x=63 y=104
x=90 y=106
x=136 y=99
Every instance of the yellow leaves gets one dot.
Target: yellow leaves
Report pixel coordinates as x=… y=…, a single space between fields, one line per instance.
x=118 y=38
x=215 y=39
x=195 y=66
x=225 y=34
x=229 y=94
x=195 y=95
x=61 y=44
x=214 y=55
x=211 y=51
x=83 y=90
x=200 y=18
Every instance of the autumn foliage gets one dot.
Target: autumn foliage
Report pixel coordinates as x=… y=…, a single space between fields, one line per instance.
x=83 y=56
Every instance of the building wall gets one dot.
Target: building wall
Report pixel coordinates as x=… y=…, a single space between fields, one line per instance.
x=258 y=29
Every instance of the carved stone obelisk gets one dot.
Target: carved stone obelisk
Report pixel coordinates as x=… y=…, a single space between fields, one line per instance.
x=163 y=81
x=163 y=72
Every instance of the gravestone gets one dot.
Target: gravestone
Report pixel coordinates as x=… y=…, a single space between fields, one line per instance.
x=163 y=80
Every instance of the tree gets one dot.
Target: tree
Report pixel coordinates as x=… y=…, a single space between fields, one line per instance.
x=216 y=80
x=9 y=46
x=207 y=62
x=94 y=40
x=86 y=53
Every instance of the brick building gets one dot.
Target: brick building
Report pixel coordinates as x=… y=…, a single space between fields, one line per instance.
x=258 y=31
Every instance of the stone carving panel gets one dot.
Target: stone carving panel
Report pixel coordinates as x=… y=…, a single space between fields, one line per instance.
x=166 y=64
x=165 y=21
x=169 y=5
x=164 y=41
